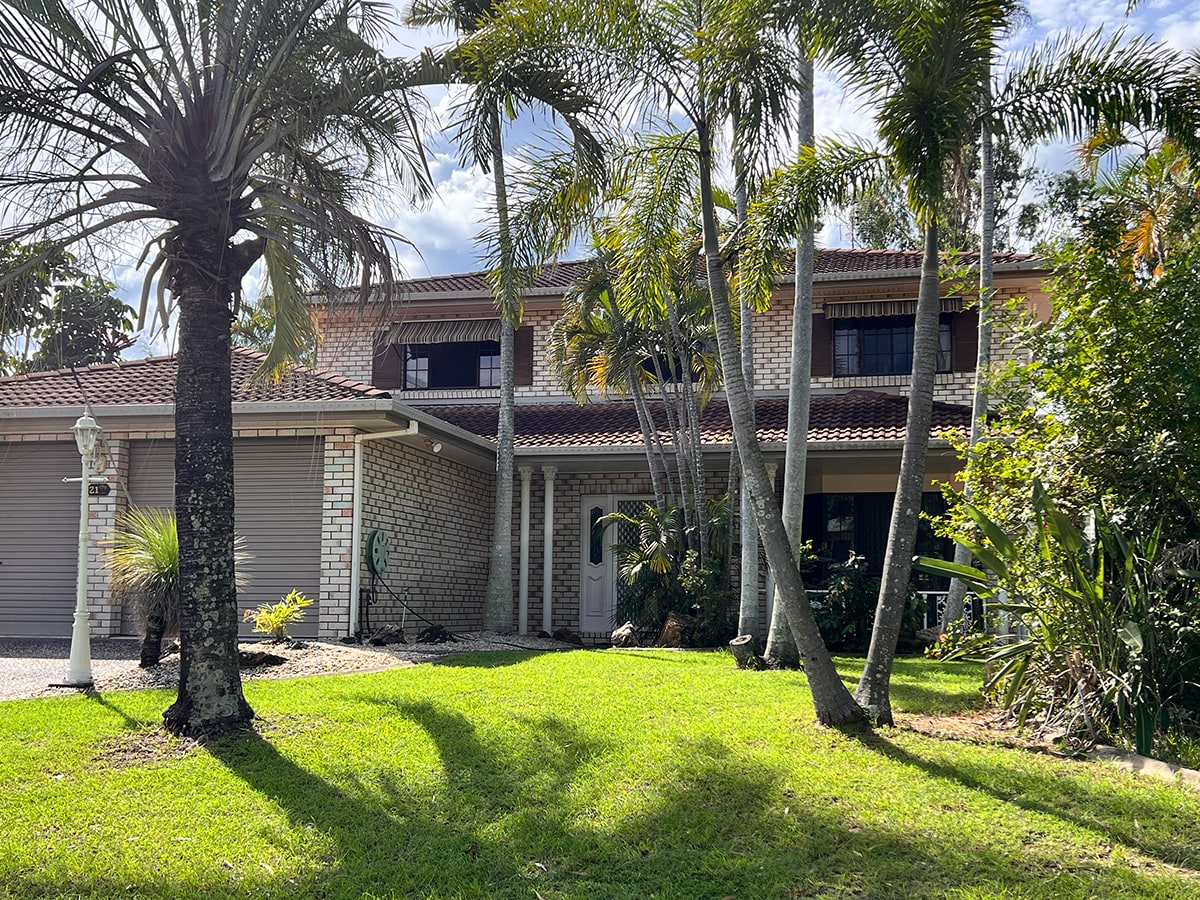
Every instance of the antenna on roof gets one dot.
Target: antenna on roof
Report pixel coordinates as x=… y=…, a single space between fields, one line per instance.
x=79 y=384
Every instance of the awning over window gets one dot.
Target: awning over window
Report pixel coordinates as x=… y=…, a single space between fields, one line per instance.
x=871 y=308
x=445 y=331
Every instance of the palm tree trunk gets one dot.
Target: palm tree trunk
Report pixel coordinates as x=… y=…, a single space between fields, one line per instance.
x=691 y=422
x=210 y=700
x=748 y=588
x=874 y=684
x=781 y=649
x=832 y=702
x=498 y=596
x=653 y=445
x=151 y=647
x=953 y=610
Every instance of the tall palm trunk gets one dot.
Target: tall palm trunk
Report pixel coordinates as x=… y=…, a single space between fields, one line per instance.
x=873 y=685
x=654 y=452
x=748 y=620
x=691 y=425
x=498 y=597
x=781 y=645
x=210 y=700
x=953 y=610
x=831 y=700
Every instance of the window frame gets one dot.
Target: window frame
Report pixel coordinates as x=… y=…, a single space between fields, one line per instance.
x=850 y=352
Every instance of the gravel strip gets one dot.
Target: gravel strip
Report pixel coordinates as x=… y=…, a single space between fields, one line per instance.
x=27 y=668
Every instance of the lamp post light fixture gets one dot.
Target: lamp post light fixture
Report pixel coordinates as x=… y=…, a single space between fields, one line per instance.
x=79 y=668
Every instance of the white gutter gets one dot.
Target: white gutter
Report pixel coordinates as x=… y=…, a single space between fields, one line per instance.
x=356 y=519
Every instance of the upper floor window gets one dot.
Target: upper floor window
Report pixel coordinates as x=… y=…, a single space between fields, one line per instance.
x=448 y=354
x=447 y=366
x=883 y=345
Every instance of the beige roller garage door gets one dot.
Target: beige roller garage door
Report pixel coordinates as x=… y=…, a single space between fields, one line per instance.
x=39 y=538
x=278 y=486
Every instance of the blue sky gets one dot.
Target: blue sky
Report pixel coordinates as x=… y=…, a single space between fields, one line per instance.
x=444 y=231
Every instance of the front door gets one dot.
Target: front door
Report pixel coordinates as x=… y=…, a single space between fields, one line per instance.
x=600 y=583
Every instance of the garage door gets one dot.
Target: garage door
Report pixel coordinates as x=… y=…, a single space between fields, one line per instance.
x=39 y=538
x=278 y=494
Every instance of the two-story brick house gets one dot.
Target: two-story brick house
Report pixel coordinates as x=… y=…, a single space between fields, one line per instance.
x=394 y=431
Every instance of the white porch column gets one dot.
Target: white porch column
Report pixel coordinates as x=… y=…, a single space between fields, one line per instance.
x=548 y=549
x=526 y=473
x=772 y=469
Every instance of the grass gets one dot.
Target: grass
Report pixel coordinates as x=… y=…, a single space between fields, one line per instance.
x=615 y=774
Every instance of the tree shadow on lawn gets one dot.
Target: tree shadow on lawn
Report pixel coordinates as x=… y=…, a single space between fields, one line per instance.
x=1073 y=798
x=552 y=808
x=508 y=822
x=486 y=659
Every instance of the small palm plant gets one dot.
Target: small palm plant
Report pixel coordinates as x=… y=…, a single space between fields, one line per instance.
x=144 y=562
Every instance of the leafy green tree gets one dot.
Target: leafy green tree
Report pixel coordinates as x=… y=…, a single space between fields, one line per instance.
x=85 y=325
x=228 y=133
x=54 y=314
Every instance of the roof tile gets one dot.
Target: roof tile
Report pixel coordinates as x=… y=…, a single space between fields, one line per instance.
x=851 y=417
x=828 y=261
x=152 y=380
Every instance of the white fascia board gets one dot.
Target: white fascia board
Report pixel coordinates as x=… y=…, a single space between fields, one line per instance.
x=432 y=424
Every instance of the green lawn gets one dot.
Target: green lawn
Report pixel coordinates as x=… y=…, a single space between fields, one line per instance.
x=614 y=774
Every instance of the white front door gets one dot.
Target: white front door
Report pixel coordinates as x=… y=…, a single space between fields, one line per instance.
x=599 y=568
x=598 y=599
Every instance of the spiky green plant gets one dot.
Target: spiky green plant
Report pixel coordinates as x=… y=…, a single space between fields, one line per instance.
x=144 y=563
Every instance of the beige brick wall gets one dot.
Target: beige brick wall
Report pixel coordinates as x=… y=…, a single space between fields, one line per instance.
x=104 y=606
x=346 y=346
x=337 y=519
x=438 y=516
x=346 y=349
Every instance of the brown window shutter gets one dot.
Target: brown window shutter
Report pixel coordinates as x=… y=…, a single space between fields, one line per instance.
x=523 y=357
x=822 y=347
x=964 y=340
x=387 y=365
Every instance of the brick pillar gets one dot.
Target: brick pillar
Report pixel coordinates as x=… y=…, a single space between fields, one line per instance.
x=337 y=554
x=112 y=460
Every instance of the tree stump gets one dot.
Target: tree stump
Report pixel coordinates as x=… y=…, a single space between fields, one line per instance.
x=742 y=648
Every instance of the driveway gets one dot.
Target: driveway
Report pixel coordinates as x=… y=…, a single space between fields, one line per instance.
x=29 y=665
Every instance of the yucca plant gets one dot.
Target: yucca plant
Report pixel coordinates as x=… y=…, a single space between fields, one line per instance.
x=143 y=561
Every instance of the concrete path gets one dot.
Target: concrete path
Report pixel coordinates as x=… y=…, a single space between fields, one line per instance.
x=30 y=665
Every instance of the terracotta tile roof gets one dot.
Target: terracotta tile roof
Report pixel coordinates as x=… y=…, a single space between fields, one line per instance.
x=830 y=261
x=837 y=261
x=152 y=380
x=855 y=416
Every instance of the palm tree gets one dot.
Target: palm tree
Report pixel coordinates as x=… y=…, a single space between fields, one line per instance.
x=923 y=66
x=642 y=52
x=527 y=80
x=228 y=133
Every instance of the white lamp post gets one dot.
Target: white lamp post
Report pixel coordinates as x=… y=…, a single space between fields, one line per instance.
x=79 y=670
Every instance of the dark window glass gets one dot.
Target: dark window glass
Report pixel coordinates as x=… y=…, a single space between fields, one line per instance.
x=883 y=346
x=459 y=364
x=596 y=548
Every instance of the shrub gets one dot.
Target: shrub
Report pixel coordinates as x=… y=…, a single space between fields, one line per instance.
x=274 y=620
x=660 y=574
x=1111 y=645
